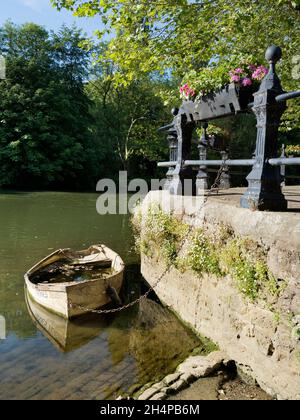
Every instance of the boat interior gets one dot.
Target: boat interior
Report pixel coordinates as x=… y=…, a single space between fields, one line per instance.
x=70 y=266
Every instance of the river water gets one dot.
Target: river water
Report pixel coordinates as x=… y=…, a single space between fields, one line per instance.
x=94 y=357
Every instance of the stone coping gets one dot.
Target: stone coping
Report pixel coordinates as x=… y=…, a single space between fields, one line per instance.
x=269 y=228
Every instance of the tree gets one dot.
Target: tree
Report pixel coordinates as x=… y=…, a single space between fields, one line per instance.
x=45 y=138
x=127 y=117
x=183 y=35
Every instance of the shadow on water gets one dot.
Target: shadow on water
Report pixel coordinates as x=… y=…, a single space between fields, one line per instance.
x=143 y=343
x=11 y=192
x=68 y=335
x=93 y=357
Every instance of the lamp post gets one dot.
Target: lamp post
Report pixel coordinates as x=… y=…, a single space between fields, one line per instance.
x=173 y=148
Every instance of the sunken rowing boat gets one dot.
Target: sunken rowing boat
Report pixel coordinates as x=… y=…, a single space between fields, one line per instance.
x=71 y=283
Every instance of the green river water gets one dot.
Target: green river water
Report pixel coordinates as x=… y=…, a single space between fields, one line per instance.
x=94 y=357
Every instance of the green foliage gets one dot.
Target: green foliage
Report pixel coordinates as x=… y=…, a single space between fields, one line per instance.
x=218 y=254
x=129 y=116
x=202 y=255
x=240 y=268
x=44 y=113
x=292 y=149
x=199 y=42
x=161 y=231
x=297 y=332
x=58 y=130
x=187 y=35
x=277 y=317
x=246 y=262
x=208 y=79
x=217 y=75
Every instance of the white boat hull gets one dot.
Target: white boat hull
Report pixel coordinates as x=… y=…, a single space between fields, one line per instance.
x=73 y=299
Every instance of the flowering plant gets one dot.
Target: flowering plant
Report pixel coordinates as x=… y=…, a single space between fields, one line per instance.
x=239 y=70
x=186 y=92
x=292 y=149
x=247 y=74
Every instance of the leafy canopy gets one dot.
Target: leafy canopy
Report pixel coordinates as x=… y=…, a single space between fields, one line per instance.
x=127 y=117
x=185 y=35
x=44 y=112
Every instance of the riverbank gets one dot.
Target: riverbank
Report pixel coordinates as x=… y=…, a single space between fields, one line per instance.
x=235 y=280
x=210 y=377
x=212 y=389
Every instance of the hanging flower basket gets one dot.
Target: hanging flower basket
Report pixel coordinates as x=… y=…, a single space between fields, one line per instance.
x=234 y=97
x=230 y=100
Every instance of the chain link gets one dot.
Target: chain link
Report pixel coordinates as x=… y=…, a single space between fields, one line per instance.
x=215 y=186
x=122 y=308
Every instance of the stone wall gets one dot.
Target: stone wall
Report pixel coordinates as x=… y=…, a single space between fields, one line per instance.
x=261 y=341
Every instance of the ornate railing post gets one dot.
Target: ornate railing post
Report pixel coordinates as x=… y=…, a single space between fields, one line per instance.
x=202 y=178
x=184 y=130
x=264 y=191
x=173 y=153
x=282 y=167
x=225 y=176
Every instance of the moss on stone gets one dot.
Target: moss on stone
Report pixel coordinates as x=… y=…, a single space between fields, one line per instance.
x=160 y=231
x=207 y=347
x=219 y=253
x=277 y=317
x=202 y=255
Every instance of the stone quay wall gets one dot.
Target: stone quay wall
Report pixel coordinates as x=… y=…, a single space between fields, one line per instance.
x=261 y=337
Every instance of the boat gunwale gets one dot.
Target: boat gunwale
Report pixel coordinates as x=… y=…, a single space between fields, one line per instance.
x=62 y=287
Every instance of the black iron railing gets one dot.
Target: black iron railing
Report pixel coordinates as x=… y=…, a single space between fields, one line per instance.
x=266 y=177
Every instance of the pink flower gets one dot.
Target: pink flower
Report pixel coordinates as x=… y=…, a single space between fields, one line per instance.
x=238 y=70
x=246 y=81
x=264 y=69
x=235 y=78
x=252 y=67
x=260 y=73
x=187 y=92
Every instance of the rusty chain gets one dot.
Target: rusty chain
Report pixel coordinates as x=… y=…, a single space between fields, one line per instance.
x=215 y=186
x=122 y=308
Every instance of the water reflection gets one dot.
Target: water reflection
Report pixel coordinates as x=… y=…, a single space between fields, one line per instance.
x=64 y=334
x=34 y=224
x=93 y=358
x=2 y=328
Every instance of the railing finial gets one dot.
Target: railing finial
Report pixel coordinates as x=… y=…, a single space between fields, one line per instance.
x=273 y=54
x=271 y=80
